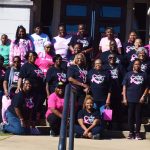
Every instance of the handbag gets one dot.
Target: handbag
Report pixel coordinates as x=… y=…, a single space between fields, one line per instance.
x=6 y=102
x=107 y=114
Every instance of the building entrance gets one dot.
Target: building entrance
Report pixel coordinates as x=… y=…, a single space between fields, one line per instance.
x=140 y=19
x=97 y=15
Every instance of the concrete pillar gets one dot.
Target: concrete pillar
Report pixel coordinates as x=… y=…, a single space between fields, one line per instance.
x=56 y=17
x=129 y=18
x=36 y=12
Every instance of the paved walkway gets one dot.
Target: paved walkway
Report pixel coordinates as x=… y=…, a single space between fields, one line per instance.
x=50 y=143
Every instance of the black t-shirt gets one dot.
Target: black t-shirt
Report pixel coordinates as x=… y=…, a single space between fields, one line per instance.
x=53 y=76
x=104 y=58
x=2 y=74
x=88 y=118
x=135 y=84
x=15 y=77
x=100 y=84
x=25 y=103
x=117 y=73
x=34 y=73
x=78 y=73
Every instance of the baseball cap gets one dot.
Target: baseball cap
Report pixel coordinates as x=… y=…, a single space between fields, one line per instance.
x=60 y=85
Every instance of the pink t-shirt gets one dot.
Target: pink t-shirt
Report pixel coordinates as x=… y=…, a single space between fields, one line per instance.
x=104 y=43
x=54 y=102
x=44 y=61
x=20 y=49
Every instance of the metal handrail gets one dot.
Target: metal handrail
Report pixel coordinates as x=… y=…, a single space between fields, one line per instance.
x=72 y=118
x=63 y=129
x=70 y=96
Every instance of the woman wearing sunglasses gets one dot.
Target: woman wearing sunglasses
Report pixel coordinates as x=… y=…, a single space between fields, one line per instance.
x=116 y=72
x=11 y=77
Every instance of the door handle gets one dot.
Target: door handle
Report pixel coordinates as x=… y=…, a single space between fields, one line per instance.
x=92 y=25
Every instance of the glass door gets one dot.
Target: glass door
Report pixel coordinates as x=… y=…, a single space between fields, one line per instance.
x=97 y=15
x=75 y=12
x=109 y=14
x=140 y=19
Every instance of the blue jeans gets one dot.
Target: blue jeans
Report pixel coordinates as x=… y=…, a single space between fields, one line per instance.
x=14 y=125
x=1 y=94
x=95 y=130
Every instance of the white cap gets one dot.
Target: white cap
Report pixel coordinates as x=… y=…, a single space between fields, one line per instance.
x=47 y=43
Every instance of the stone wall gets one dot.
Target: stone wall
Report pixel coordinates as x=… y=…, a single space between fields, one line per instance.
x=14 y=13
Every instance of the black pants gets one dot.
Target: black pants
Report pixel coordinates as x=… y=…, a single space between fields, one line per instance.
x=134 y=114
x=54 y=123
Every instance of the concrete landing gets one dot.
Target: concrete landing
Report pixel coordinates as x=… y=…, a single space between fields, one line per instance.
x=51 y=143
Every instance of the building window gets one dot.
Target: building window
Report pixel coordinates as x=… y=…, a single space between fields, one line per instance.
x=76 y=10
x=71 y=28
x=116 y=29
x=110 y=12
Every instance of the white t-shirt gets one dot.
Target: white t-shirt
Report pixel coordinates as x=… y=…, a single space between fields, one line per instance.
x=61 y=45
x=38 y=41
x=104 y=43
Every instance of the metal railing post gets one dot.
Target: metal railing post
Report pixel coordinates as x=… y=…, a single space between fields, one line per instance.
x=63 y=129
x=72 y=118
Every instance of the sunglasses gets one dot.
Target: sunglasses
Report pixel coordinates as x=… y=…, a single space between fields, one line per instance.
x=112 y=58
x=48 y=47
x=16 y=61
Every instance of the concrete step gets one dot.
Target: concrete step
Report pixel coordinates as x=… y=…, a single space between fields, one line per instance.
x=124 y=126
x=108 y=134
x=44 y=130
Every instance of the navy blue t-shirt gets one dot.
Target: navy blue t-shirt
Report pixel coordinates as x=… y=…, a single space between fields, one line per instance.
x=34 y=73
x=135 y=83
x=145 y=67
x=88 y=118
x=86 y=41
x=100 y=84
x=130 y=57
x=25 y=102
x=78 y=73
x=127 y=47
x=53 y=76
